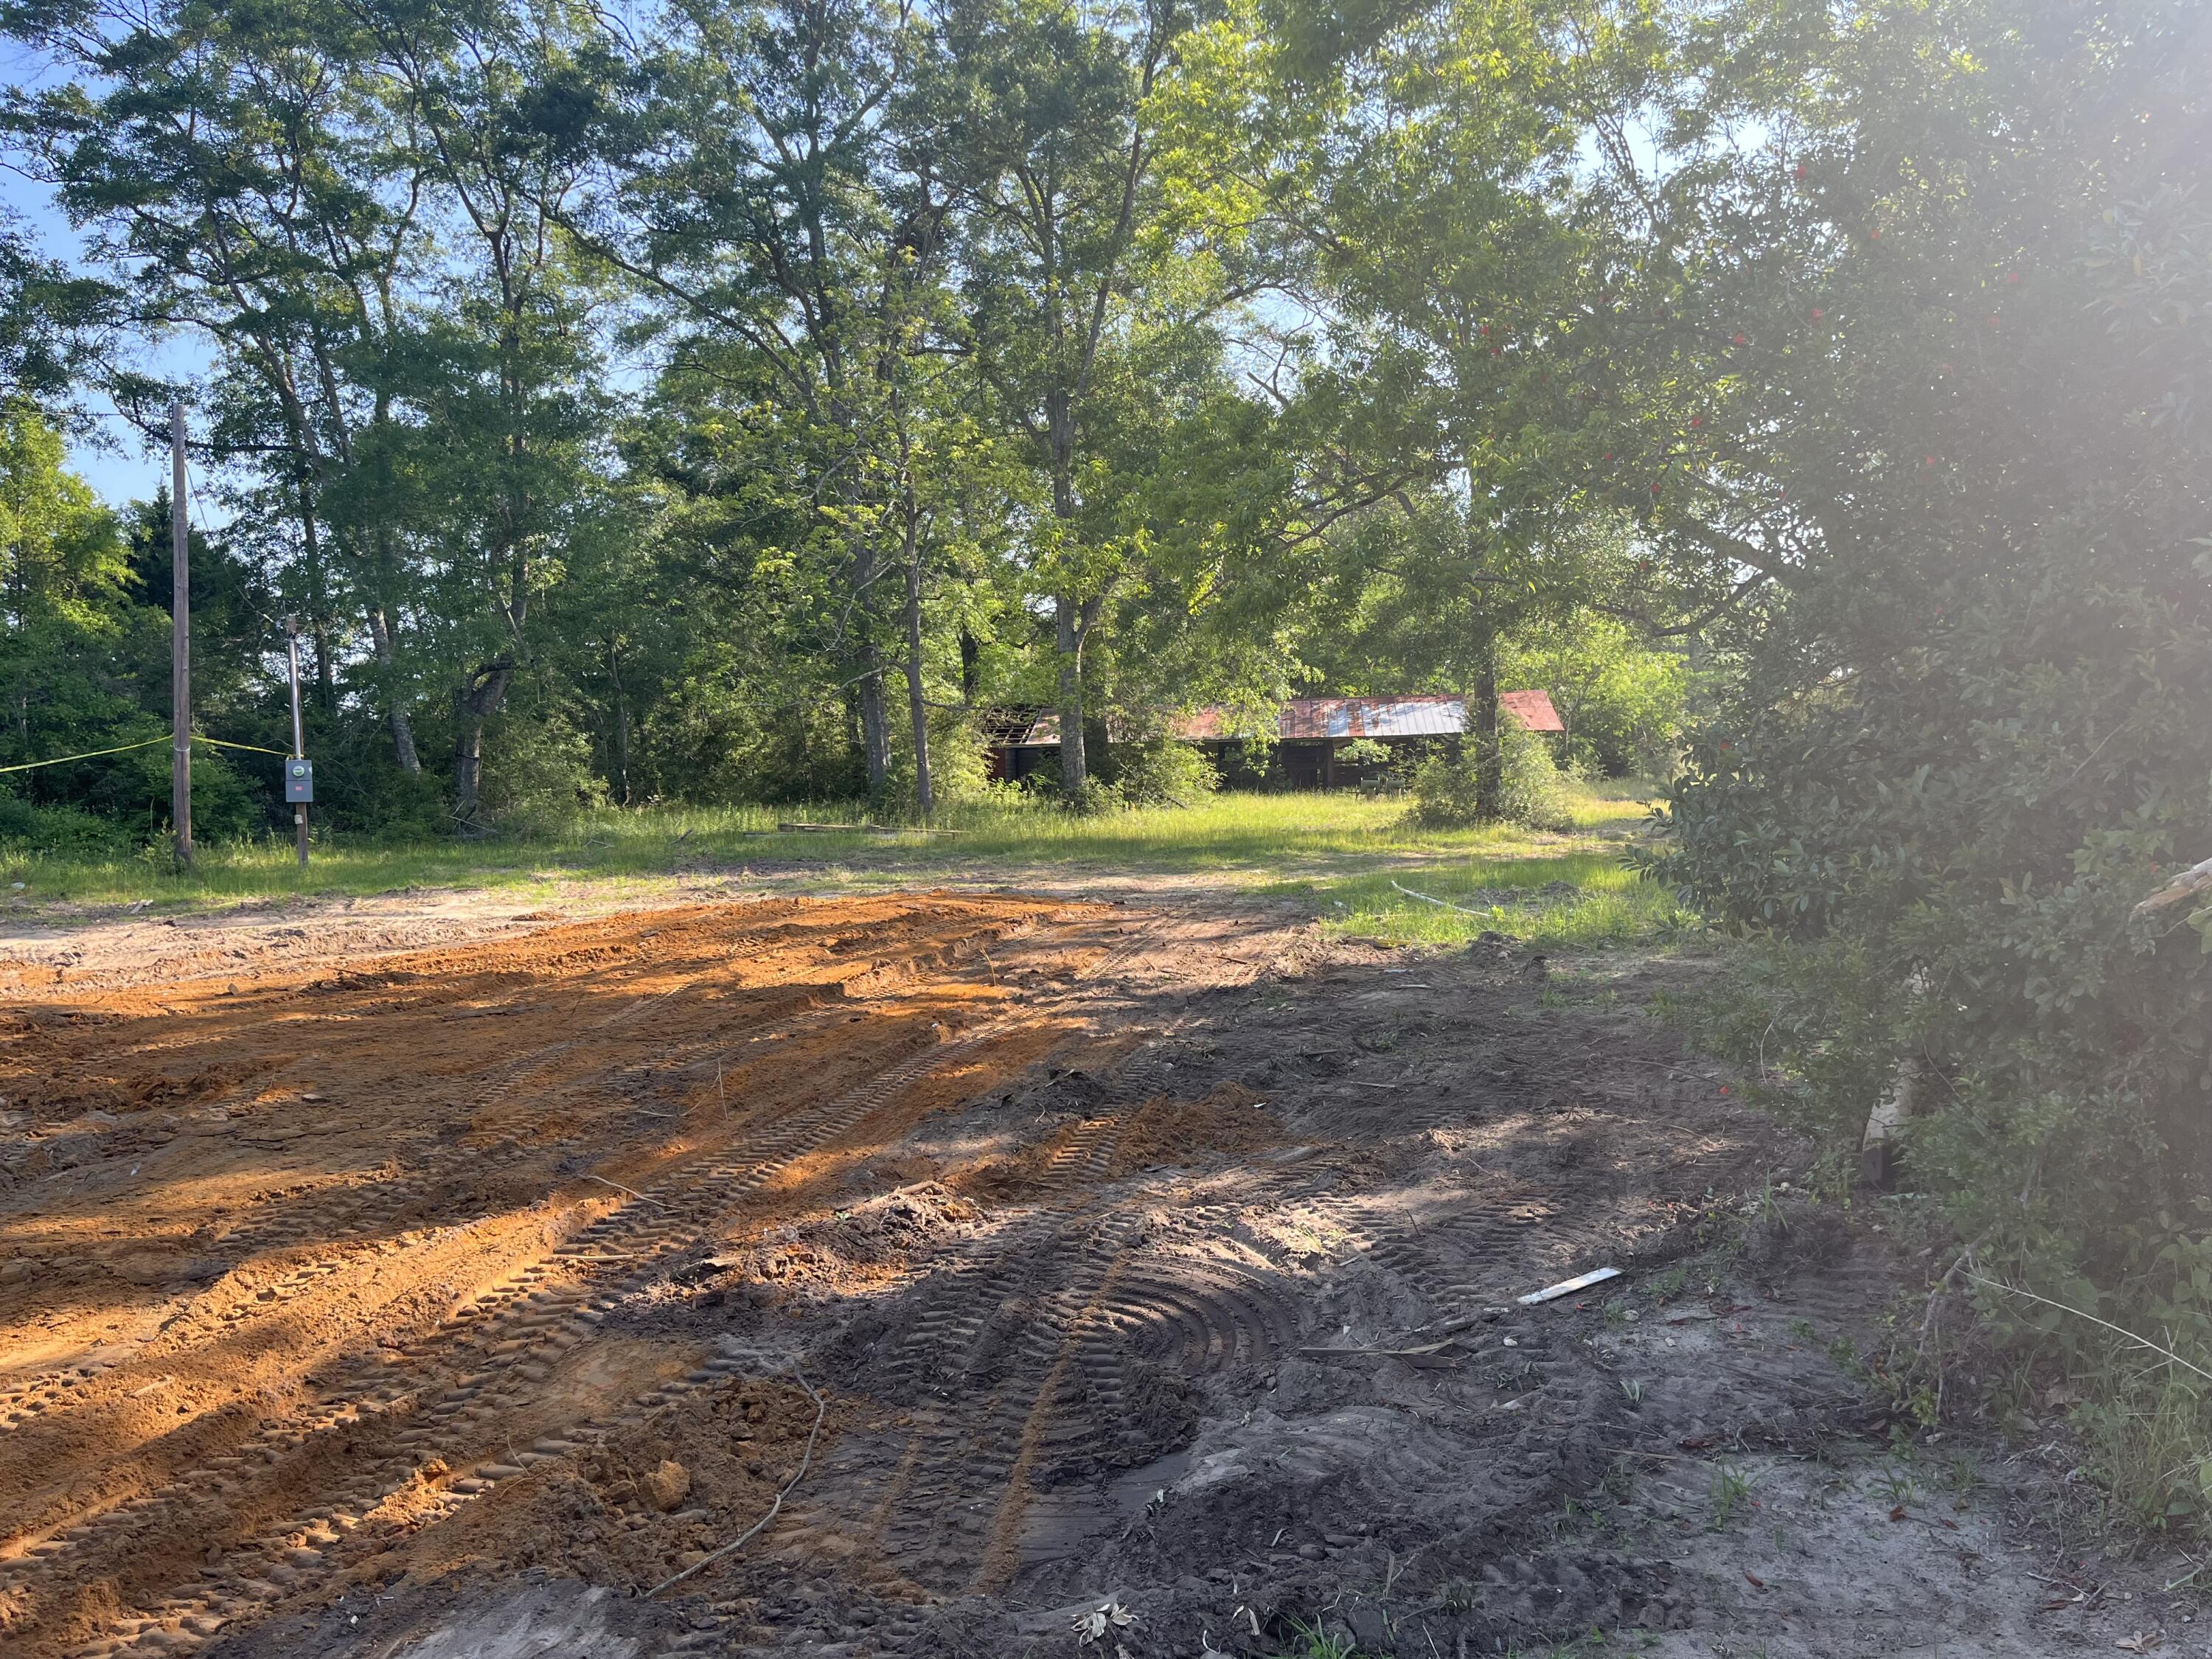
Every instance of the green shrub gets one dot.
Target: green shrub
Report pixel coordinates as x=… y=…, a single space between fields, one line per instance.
x=362 y=789
x=1980 y=820
x=1149 y=772
x=959 y=762
x=1158 y=772
x=1625 y=703
x=712 y=744
x=1042 y=781
x=1446 y=795
x=538 y=773
x=1968 y=737
x=62 y=831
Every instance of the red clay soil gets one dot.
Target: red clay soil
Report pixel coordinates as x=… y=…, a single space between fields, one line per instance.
x=283 y=1269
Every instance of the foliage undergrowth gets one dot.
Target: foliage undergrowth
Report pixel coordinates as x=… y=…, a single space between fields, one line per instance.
x=1158 y=772
x=1943 y=779
x=1533 y=792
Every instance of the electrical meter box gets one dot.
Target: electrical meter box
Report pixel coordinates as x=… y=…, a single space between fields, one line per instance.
x=298 y=779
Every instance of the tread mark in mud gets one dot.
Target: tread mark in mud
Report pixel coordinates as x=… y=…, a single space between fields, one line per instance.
x=533 y=1318
x=1481 y=1255
x=333 y=1217
x=995 y=1408
x=341 y=1222
x=530 y=1324
x=1194 y=1317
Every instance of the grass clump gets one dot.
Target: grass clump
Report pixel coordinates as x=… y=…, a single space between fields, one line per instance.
x=2130 y=1367
x=1566 y=902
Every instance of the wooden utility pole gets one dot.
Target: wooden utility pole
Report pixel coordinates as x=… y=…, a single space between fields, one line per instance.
x=180 y=643
x=299 y=739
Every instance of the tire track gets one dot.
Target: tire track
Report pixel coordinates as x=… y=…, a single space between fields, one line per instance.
x=1478 y=1256
x=304 y=1486
x=340 y=1225
x=331 y=1220
x=504 y=1346
x=1194 y=1318
x=1019 y=1360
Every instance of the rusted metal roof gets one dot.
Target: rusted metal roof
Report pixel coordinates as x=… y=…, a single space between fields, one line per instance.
x=1422 y=715
x=1533 y=709
x=1369 y=717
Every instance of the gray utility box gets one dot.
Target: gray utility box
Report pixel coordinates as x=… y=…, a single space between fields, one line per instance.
x=298 y=779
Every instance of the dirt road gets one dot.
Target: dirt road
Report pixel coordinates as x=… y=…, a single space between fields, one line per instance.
x=1061 y=1262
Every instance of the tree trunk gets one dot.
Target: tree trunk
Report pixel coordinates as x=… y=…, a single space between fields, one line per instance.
x=403 y=732
x=1069 y=617
x=875 y=728
x=1885 y=1124
x=319 y=606
x=1482 y=712
x=1074 y=768
x=971 y=668
x=925 y=792
x=622 y=728
x=473 y=704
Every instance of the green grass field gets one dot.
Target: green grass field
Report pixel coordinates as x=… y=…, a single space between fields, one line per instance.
x=1341 y=853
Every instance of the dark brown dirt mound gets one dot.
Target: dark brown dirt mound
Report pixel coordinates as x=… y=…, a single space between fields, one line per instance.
x=1231 y=1119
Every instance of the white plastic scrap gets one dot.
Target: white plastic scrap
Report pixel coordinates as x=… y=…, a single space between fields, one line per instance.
x=1568 y=1286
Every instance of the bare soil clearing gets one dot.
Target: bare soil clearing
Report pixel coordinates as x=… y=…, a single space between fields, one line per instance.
x=444 y=1292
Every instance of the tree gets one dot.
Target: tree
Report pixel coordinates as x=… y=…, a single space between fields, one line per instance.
x=65 y=594
x=354 y=204
x=246 y=177
x=1624 y=705
x=767 y=185
x=503 y=382
x=1967 y=739
x=84 y=655
x=1041 y=114
x=1419 y=177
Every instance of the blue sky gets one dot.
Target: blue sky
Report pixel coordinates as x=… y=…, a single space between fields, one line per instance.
x=117 y=468
x=117 y=465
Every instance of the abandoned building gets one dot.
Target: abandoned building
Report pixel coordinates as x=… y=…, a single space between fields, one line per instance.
x=1311 y=734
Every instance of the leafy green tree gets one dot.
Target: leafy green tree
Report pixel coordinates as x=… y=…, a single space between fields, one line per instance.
x=1624 y=704
x=1968 y=737
x=1039 y=113
x=53 y=321
x=1422 y=175
x=69 y=600
x=248 y=176
x=502 y=383
x=769 y=185
x=84 y=652
x=354 y=204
